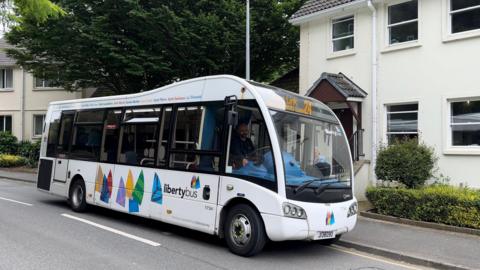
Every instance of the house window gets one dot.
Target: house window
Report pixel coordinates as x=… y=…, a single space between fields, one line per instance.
x=6 y=123
x=465 y=123
x=403 y=22
x=38 y=121
x=402 y=122
x=6 y=78
x=464 y=15
x=45 y=83
x=342 y=34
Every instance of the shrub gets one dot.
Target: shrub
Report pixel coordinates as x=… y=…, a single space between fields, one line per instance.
x=8 y=143
x=29 y=150
x=7 y=160
x=407 y=161
x=437 y=203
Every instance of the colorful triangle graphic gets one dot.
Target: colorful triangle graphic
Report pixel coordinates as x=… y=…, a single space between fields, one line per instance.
x=121 y=193
x=139 y=189
x=157 y=193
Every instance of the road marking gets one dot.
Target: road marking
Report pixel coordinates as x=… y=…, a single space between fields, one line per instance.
x=10 y=200
x=143 y=240
x=374 y=258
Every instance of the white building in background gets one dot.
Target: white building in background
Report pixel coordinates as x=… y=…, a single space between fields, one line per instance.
x=24 y=99
x=417 y=61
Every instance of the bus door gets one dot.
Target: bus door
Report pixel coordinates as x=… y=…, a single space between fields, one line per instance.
x=65 y=135
x=190 y=191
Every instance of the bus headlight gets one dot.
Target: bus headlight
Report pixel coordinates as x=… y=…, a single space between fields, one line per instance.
x=353 y=209
x=293 y=211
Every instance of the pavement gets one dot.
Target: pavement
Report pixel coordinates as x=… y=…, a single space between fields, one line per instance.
x=425 y=247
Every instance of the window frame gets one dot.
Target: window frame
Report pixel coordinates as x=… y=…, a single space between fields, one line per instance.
x=3 y=73
x=43 y=87
x=453 y=12
x=34 y=123
x=3 y=129
x=330 y=53
x=388 y=26
x=387 y=133
x=449 y=147
x=75 y=124
x=337 y=20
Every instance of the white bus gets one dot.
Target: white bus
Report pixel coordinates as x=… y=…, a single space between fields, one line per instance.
x=225 y=156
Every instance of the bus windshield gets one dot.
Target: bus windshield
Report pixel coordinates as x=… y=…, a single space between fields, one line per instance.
x=315 y=156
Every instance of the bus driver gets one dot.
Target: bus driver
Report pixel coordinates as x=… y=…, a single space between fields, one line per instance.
x=241 y=147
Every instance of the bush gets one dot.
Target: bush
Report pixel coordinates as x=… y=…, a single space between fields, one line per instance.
x=8 y=143
x=437 y=203
x=29 y=150
x=7 y=160
x=407 y=161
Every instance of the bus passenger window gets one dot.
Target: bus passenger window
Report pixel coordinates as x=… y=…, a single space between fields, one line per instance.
x=111 y=132
x=198 y=129
x=164 y=133
x=138 y=136
x=250 y=151
x=53 y=134
x=65 y=134
x=87 y=135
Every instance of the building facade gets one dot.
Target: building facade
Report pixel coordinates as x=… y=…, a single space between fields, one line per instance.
x=417 y=62
x=24 y=99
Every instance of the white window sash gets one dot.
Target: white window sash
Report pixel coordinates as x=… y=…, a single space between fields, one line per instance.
x=400 y=112
x=402 y=23
x=342 y=20
x=463 y=9
x=345 y=37
x=465 y=124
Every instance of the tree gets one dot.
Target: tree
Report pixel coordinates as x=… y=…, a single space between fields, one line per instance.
x=39 y=10
x=133 y=45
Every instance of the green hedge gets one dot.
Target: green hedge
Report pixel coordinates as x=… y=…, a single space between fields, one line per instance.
x=438 y=203
x=30 y=151
x=7 y=160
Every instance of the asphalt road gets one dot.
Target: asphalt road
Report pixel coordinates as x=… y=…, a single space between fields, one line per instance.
x=39 y=231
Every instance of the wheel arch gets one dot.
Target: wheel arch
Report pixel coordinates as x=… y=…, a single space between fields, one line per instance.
x=75 y=178
x=228 y=206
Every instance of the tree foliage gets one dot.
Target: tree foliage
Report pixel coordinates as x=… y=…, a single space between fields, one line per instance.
x=133 y=45
x=13 y=11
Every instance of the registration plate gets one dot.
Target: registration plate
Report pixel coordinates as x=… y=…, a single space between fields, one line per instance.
x=325 y=235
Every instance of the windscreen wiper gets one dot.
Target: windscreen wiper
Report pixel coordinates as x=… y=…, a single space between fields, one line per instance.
x=307 y=183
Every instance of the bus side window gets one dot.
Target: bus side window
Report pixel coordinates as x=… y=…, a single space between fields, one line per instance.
x=164 y=133
x=53 y=133
x=87 y=135
x=111 y=133
x=139 y=136
x=65 y=134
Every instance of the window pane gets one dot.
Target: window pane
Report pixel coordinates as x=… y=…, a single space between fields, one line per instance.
x=138 y=144
x=165 y=132
x=38 y=124
x=404 y=32
x=402 y=108
x=396 y=138
x=141 y=115
x=38 y=82
x=250 y=151
x=343 y=44
x=342 y=28
x=466 y=134
x=86 y=142
x=9 y=78
x=187 y=128
x=111 y=131
x=192 y=162
x=53 y=134
x=466 y=112
x=465 y=21
x=402 y=122
x=403 y=12
x=461 y=4
x=93 y=116
x=2 y=123
x=2 y=78
x=65 y=134
x=8 y=123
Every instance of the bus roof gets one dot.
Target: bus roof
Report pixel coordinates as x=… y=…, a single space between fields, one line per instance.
x=209 y=88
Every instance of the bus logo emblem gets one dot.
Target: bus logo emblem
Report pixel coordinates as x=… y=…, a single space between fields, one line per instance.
x=195 y=183
x=330 y=219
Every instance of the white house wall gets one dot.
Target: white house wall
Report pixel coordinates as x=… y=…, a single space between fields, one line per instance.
x=436 y=68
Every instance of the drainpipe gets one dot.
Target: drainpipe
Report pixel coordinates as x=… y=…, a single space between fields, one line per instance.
x=374 y=89
x=22 y=137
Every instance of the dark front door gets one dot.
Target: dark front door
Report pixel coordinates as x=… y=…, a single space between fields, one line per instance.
x=346 y=118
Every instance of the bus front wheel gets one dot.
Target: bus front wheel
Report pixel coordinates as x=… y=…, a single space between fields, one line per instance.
x=77 y=196
x=244 y=231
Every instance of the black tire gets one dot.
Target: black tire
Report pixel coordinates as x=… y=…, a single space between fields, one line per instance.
x=76 y=197
x=328 y=242
x=244 y=231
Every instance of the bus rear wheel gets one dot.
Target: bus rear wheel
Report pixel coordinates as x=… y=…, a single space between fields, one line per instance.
x=244 y=231
x=77 y=196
